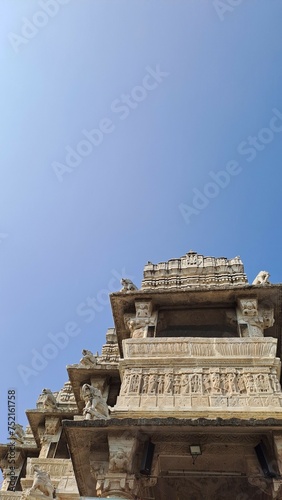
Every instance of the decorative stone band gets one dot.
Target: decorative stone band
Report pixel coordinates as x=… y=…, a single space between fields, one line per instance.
x=152 y=389
x=8 y=495
x=200 y=348
x=57 y=467
x=194 y=270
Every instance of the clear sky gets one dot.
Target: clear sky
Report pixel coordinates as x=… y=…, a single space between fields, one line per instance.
x=130 y=131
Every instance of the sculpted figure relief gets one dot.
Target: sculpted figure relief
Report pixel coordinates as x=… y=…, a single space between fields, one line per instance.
x=195 y=383
x=231 y=383
x=274 y=381
x=42 y=482
x=262 y=278
x=95 y=407
x=134 y=382
x=177 y=384
x=249 y=307
x=209 y=383
x=254 y=318
x=153 y=382
x=18 y=434
x=168 y=383
x=145 y=384
x=89 y=359
x=48 y=400
x=137 y=327
x=127 y=285
x=119 y=461
x=262 y=382
x=125 y=383
x=185 y=384
x=161 y=384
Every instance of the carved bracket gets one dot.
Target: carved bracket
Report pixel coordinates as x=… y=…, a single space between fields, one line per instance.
x=252 y=318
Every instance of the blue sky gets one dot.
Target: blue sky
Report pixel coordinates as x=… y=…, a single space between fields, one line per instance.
x=174 y=93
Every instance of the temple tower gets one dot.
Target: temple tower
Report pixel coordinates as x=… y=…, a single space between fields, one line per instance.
x=185 y=400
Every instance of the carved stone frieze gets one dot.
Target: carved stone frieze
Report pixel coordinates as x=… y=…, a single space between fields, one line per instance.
x=56 y=467
x=199 y=387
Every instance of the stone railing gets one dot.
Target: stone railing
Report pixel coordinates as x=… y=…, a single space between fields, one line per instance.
x=200 y=348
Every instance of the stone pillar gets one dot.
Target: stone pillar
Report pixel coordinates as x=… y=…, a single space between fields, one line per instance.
x=116 y=485
x=51 y=434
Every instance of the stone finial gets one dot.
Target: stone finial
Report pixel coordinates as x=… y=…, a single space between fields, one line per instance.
x=262 y=278
x=127 y=285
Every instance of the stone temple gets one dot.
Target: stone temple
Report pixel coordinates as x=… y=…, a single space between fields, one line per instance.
x=183 y=403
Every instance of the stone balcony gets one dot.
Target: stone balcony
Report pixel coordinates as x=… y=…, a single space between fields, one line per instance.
x=192 y=376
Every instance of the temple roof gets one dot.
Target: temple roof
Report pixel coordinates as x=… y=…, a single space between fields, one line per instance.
x=194 y=270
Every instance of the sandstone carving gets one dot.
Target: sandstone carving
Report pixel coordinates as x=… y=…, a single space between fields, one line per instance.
x=237 y=386
x=18 y=434
x=144 y=318
x=262 y=278
x=95 y=405
x=194 y=271
x=253 y=319
x=119 y=461
x=48 y=400
x=127 y=285
x=249 y=307
x=203 y=348
x=66 y=395
x=89 y=359
x=189 y=369
x=42 y=483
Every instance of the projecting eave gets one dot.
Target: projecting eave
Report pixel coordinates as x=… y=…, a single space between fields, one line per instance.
x=85 y=437
x=124 y=302
x=79 y=375
x=36 y=419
